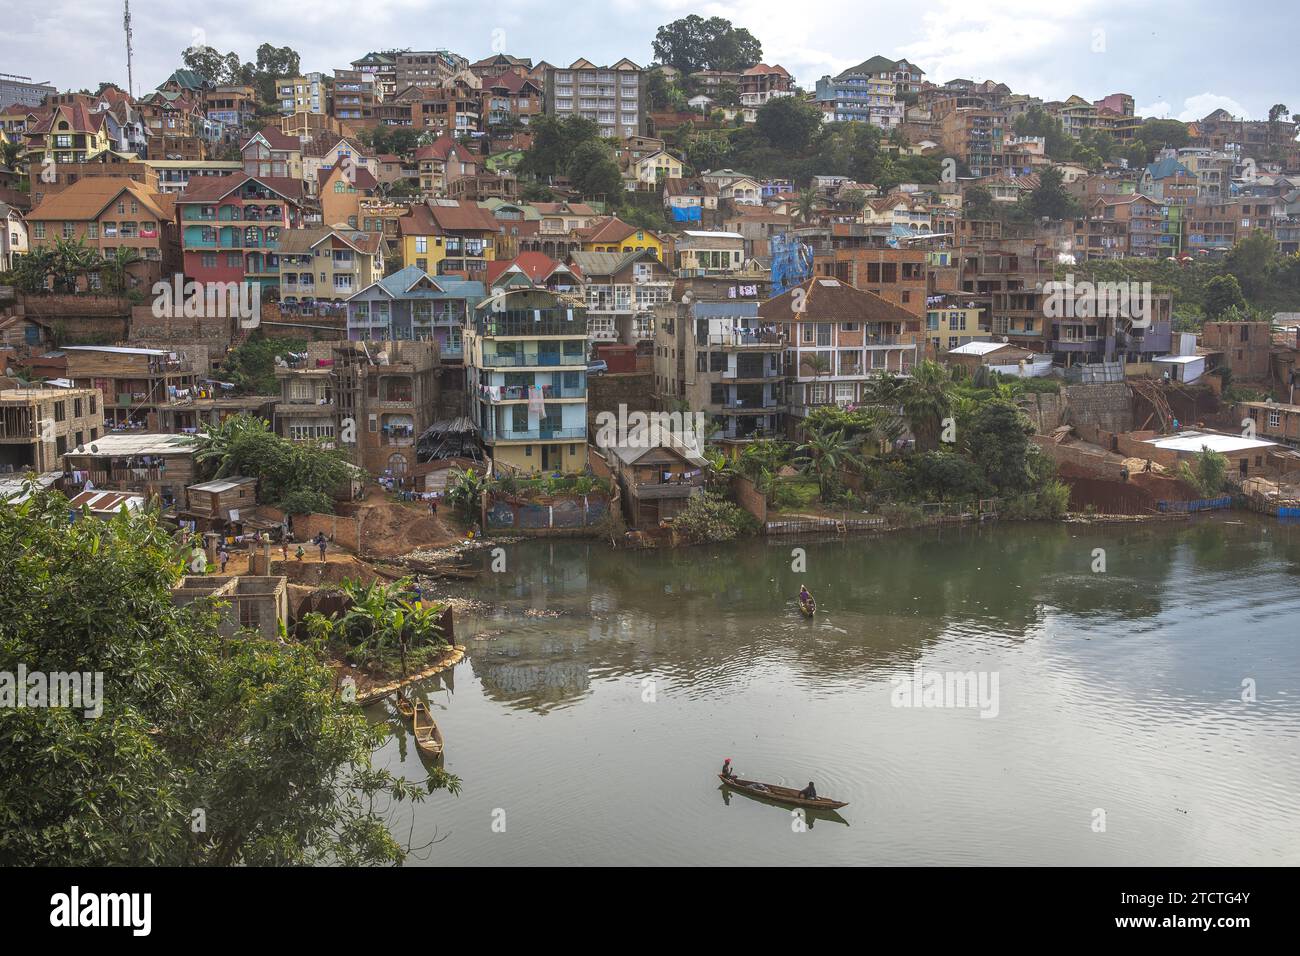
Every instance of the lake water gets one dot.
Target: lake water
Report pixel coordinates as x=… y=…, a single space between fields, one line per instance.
x=603 y=689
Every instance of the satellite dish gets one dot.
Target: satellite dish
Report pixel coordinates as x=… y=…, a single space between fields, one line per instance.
x=94 y=449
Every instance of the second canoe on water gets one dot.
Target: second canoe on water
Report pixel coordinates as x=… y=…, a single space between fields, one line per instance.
x=405 y=707
x=427 y=735
x=787 y=795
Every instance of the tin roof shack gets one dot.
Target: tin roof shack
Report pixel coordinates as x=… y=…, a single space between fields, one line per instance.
x=1179 y=368
x=1247 y=457
x=223 y=501
x=658 y=475
x=257 y=602
x=157 y=466
x=107 y=504
x=972 y=355
x=39 y=425
x=136 y=382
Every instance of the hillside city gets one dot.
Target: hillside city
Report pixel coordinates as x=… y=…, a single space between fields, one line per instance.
x=327 y=334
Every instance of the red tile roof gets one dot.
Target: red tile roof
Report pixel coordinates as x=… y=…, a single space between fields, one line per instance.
x=214 y=188
x=830 y=300
x=277 y=139
x=362 y=178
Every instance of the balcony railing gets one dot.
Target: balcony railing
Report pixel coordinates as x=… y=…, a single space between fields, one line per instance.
x=532 y=322
x=513 y=393
x=532 y=358
x=537 y=434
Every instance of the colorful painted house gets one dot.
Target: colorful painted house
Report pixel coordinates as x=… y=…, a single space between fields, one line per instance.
x=412 y=305
x=231 y=225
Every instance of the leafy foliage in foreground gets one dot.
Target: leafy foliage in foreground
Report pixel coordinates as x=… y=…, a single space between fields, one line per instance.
x=248 y=732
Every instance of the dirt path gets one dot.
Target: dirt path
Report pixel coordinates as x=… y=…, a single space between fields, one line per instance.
x=391 y=528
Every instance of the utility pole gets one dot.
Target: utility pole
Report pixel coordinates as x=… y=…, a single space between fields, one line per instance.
x=126 y=25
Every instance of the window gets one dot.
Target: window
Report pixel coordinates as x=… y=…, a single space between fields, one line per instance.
x=421 y=243
x=1274 y=418
x=69 y=230
x=38 y=229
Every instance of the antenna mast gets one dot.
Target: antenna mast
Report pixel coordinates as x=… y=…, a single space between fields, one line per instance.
x=126 y=25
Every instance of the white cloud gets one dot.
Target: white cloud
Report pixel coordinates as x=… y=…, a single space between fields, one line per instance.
x=1156 y=110
x=1203 y=104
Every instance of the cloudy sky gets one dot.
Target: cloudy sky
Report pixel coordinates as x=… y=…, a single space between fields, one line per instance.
x=1181 y=61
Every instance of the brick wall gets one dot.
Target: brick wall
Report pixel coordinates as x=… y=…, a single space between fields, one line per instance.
x=749 y=497
x=1108 y=405
x=340 y=529
x=606 y=392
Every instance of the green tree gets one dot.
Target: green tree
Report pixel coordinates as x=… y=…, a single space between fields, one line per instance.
x=823 y=454
x=1222 y=294
x=927 y=399
x=555 y=140
x=694 y=43
x=593 y=172
x=997 y=440
x=977 y=203
x=1208 y=475
x=1049 y=200
x=251 y=732
x=1253 y=261
x=788 y=123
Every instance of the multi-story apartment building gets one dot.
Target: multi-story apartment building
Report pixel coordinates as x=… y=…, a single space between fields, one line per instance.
x=1221 y=129
x=453 y=108
x=326 y=266
x=425 y=68
x=509 y=97
x=976 y=137
x=447 y=236
x=411 y=304
x=869 y=92
x=835 y=341
x=354 y=98
x=722 y=359
x=20 y=90
x=382 y=69
x=232 y=105
x=761 y=83
x=1212 y=226
x=526 y=378
x=896 y=275
x=1126 y=226
x=1107 y=335
x=303 y=94
x=135 y=384
x=13 y=236
x=1275 y=421
x=1004 y=275
x=611 y=96
x=39 y=425
x=231 y=227
x=110 y=214
x=705 y=252
x=372 y=400
x=622 y=291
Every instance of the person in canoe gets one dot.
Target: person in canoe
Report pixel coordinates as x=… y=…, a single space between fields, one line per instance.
x=805 y=597
x=809 y=792
x=726 y=769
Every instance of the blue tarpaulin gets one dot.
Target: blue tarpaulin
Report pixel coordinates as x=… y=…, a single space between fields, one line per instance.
x=686 y=213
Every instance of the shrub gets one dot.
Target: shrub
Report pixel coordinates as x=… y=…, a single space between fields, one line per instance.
x=709 y=518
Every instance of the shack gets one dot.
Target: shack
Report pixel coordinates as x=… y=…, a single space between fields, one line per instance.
x=157 y=466
x=222 y=501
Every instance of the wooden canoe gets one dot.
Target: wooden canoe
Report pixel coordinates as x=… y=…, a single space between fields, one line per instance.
x=808 y=608
x=405 y=707
x=427 y=735
x=788 y=795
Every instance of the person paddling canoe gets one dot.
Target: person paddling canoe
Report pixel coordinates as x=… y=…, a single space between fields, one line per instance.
x=805 y=597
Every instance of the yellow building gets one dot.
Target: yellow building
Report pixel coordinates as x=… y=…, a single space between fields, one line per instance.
x=653 y=170
x=526 y=378
x=449 y=237
x=327 y=265
x=612 y=234
x=949 y=325
x=70 y=134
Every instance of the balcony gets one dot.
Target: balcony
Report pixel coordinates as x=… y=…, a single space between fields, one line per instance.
x=534 y=359
x=537 y=434
x=747 y=338
x=531 y=323
x=520 y=393
x=668 y=489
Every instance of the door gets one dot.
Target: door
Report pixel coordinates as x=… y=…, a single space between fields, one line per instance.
x=551 y=457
